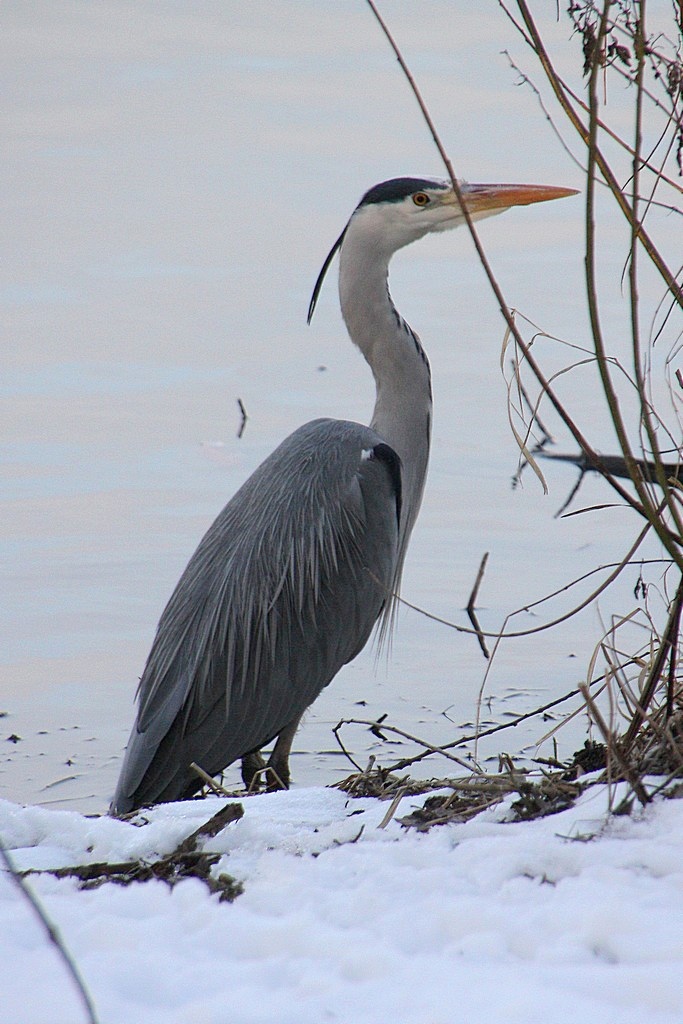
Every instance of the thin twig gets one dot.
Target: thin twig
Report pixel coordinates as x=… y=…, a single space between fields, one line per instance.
x=533 y=410
x=337 y=729
x=645 y=412
x=215 y=824
x=393 y=806
x=209 y=781
x=53 y=935
x=673 y=662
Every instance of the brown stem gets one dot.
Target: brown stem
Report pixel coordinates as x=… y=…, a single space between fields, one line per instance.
x=666 y=648
x=556 y=85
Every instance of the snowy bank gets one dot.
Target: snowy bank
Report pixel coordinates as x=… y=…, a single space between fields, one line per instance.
x=570 y=917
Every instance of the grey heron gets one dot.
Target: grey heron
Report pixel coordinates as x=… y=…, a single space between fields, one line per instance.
x=306 y=558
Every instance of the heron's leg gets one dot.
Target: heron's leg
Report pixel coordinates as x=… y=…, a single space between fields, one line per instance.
x=252 y=765
x=279 y=759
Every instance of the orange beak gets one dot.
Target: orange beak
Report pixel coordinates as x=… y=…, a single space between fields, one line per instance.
x=481 y=198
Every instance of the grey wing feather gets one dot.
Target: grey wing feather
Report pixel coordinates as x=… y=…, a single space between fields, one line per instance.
x=283 y=590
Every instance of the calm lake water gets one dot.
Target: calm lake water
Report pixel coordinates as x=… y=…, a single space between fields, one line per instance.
x=172 y=177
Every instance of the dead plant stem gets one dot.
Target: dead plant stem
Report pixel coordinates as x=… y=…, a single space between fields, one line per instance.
x=536 y=43
x=645 y=408
x=613 y=747
x=53 y=934
x=666 y=648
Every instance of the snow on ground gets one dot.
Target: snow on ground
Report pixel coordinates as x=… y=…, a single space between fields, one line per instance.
x=573 y=917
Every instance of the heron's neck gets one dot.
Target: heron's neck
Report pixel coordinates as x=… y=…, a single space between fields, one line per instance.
x=403 y=407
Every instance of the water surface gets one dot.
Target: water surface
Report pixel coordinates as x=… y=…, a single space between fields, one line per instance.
x=173 y=176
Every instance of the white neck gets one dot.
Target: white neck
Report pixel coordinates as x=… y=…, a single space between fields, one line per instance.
x=403 y=407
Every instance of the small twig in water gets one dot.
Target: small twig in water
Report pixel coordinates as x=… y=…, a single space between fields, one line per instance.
x=472 y=603
x=430 y=748
x=243 y=413
x=345 y=752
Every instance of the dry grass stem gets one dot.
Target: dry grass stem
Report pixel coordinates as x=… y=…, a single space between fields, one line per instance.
x=53 y=934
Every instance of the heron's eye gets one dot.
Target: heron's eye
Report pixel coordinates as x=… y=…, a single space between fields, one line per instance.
x=421 y=199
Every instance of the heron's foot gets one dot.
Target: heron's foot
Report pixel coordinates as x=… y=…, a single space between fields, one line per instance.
x=253 y=768
x=256 y=774
x=277 y=773
x=278 y=777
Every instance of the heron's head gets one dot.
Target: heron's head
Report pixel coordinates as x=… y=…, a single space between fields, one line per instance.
x=402 y=210
x=399 y=211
